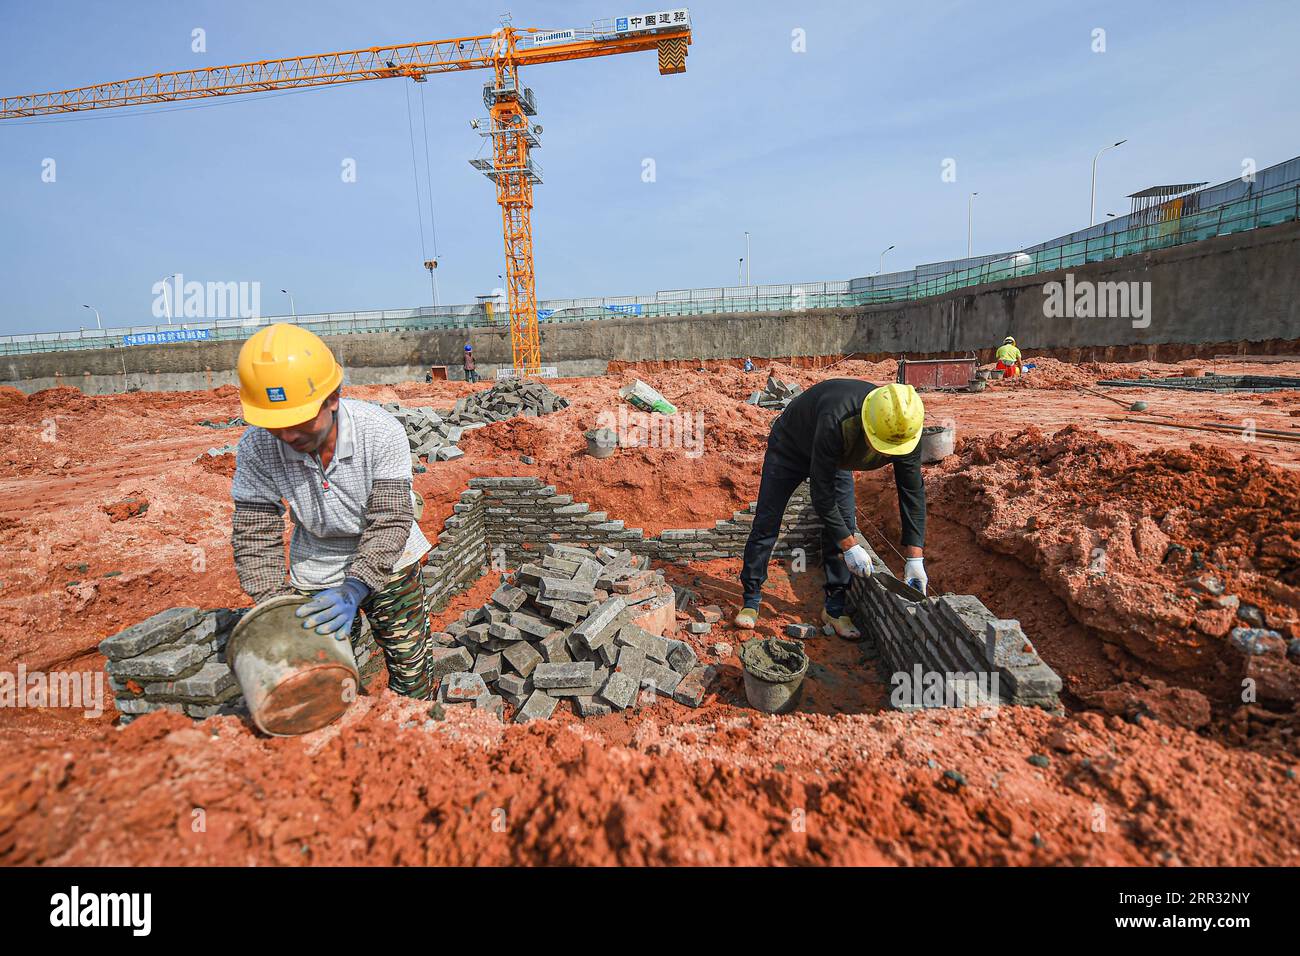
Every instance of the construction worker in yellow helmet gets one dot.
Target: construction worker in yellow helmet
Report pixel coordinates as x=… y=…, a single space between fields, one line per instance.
x=344 y=468
x=1009 y=360
x=826 y=433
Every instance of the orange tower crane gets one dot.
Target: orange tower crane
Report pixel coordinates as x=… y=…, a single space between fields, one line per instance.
x=509 y=105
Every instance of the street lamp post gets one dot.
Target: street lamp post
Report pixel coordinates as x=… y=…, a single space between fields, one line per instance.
x=1092 y=204
x=970 y=225
x=292 y=308
x=740 y=271
x=167 y=301
x=882 y=262
x=748 y=276
x=98 y=323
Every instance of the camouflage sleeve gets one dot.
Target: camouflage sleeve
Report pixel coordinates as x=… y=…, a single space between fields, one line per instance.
x=257 y=538
x=389 y=515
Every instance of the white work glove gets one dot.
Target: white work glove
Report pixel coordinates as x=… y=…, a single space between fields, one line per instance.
x=914 y=574
x=858 y=560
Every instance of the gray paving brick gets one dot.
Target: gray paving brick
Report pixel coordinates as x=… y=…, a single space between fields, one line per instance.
x=654 y=646
x=562 y=589
x=694 y=686
x=660 y=678
x=211 y=679
x=522 y=657
x=166 y=662
x=448 y=660
x=488 y=666
x=509 y=598
x=461 y=687
x=572 y=674
x=162 y=627
x=591 y=707
x=532 y=626
x=505 y=632
x=539 y=706
x=682 y=657
x=592 y=630
x=620 y=690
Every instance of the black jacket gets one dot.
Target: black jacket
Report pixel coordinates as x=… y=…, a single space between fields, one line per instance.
x=821 y=430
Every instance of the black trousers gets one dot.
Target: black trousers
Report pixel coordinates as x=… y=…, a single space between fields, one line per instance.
x=781 y=477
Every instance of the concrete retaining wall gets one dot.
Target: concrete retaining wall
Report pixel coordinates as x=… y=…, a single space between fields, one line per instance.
x=1237 y=293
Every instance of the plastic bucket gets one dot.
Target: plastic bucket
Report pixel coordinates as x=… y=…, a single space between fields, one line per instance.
x=772 y=689
x=937 y=442
x=601 y=442
x=294 y=680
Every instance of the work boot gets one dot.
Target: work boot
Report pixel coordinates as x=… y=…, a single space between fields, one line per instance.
x=842 y=626
x=746 y=618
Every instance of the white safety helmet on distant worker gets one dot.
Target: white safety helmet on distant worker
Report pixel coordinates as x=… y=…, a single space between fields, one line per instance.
x=285 y=375
x=1008 y=341
x=892 y=417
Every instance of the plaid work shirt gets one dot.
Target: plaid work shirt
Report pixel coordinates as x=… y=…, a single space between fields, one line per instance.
x=354 y=519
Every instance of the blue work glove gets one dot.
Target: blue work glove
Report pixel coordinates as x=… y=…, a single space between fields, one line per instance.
x=332 y=610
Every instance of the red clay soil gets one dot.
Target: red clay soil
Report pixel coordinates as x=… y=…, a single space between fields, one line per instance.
x=1136 y=770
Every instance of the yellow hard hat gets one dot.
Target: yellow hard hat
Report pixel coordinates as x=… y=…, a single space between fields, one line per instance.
x=1008 y=341
x=285 y=375
x=892 y=417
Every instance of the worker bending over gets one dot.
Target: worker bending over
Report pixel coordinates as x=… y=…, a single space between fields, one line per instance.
x=1009 y=360
x=835 y=428
x=344 y=468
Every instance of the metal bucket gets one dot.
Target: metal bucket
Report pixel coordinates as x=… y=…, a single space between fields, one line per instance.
x=937 y=442
x=294 y=680
x=763 y=689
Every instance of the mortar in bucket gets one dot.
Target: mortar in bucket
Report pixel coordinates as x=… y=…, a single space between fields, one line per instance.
x=774 y=673
x=937 y=442
x=601 y=442
x=294 y=680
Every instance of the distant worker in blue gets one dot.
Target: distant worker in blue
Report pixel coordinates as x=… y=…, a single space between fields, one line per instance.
x=749 y=365
x=471 y=371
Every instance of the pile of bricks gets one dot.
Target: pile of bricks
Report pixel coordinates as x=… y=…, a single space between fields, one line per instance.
x=431 y=437
x=578 y=625
x=775 y=394
x=506 y=400
x=176 y=661
x=173 y=661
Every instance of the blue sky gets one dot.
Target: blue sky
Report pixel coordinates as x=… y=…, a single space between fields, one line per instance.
x=825 y=156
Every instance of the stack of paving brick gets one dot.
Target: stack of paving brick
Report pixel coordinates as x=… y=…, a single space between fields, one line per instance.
x=577 y=625
x=431 y=437
x=949 y=638
x=176 y=661
x=775 y=394
x=173 y=661
x=506 y=400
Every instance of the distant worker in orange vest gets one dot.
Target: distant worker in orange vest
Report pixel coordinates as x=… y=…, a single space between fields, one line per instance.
x=1009 y=361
